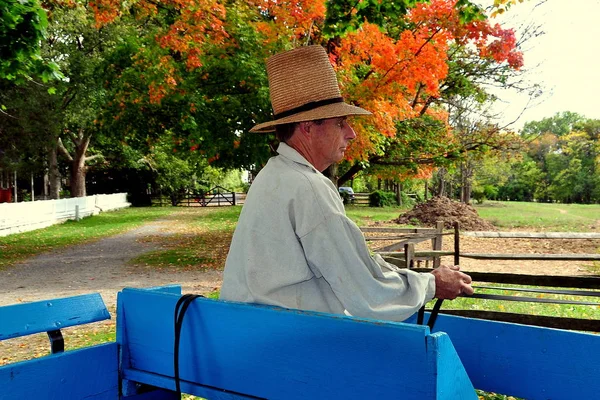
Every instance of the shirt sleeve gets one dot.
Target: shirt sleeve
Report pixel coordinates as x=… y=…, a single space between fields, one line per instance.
x=336 y=250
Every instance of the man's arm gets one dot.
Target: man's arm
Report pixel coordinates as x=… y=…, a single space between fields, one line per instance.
x=336 y=250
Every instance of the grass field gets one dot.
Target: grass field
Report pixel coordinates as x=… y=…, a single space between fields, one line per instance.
x=542 y=216
x=17 y=247
x=508 y=215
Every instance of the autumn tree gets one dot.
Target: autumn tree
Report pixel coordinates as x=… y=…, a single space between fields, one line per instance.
x=195 y=70
x=204 y=90
x=395 y=59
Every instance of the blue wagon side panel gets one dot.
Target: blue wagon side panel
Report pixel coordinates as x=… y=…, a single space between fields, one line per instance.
x=526 y=361
x=451 y=377
x=90 y=373
x=277 y=353
x=42 y=316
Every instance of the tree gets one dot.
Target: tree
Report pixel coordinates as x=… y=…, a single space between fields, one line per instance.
x=390 y=58
x=578 y=179
x=438 y=42
x=23 y=25
x=559 y=124
x=565 y=148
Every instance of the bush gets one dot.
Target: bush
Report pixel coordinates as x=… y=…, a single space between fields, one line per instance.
x=379 y=198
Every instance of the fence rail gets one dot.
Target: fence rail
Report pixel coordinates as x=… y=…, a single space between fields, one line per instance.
x=407 y=257
x=361 y=199
x=215 y=197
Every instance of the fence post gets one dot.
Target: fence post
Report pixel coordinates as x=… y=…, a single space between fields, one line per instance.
x=456 y=243
x=409 y=255
x=76 y=212
x=437 y=241
x=15 y=186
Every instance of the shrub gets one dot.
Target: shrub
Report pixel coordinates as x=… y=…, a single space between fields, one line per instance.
x=379 y=198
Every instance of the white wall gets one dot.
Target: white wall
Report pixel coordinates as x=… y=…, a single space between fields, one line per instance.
x=30 y=215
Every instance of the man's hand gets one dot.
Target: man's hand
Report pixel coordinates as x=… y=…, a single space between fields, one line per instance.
x=450 y=282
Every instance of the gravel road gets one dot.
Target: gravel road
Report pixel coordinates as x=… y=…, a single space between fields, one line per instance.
x=99 y=266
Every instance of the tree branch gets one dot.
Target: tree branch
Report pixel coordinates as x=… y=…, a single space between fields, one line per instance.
x=63 y=150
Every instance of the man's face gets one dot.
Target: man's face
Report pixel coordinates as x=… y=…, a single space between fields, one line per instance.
x=331 y=138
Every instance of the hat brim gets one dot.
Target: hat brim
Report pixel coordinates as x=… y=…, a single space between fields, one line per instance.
x=334 y=110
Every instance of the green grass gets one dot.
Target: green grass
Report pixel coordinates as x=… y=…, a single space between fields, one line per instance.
x=221 y=219
x=551 y=310
x=367 y=215
x=80 y=337
x=27 y=244
x=200 y=242
x=541 y=216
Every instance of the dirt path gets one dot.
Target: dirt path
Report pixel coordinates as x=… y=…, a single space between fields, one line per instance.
x=97 y=267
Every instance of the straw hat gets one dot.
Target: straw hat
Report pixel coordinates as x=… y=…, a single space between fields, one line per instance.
x=303 y=87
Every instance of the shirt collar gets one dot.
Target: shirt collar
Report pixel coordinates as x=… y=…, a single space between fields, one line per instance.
x=290 y=153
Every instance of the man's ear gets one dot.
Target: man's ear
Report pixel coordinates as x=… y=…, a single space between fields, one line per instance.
x=305 y=128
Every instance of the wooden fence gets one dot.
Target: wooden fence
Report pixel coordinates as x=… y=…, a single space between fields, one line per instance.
x=215 y=197
x=407 y=258
x=407 y=236
x=30 y=215
x=361 y=199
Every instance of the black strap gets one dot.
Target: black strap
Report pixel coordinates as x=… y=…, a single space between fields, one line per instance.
x=432 y=317
x=180 y=308
x=434 y=313
x=308 y=106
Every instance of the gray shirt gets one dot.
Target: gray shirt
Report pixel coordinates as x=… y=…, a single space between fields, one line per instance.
x=294 y=247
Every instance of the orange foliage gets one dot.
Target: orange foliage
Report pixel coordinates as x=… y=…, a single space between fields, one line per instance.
x=199 y=23
x=393 y=77
x=294 y=19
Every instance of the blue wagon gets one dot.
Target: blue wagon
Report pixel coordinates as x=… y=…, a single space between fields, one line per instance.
x=228 y=350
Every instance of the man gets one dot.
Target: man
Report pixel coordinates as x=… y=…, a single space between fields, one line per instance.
x=294 y=246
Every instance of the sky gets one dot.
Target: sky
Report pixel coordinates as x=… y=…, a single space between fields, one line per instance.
x=565 y=60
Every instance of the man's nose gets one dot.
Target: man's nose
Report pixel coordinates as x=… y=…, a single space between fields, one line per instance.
x=349 y=133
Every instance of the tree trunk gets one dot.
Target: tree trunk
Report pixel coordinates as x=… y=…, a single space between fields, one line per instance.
x=77 y=163
x=332 y=173
x=78 y=171
x=466 y=175
x=46 y=184
x=441 y=189
x=426 y=195
x=350 y=174
x=399 y=193
x=53 y=173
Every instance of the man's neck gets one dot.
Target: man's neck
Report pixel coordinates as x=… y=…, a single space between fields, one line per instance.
x=304 y=150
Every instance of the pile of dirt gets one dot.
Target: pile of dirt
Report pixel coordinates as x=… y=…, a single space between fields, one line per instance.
x=448 y=211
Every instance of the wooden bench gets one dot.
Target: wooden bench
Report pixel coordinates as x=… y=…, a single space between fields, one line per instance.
x=233 y=350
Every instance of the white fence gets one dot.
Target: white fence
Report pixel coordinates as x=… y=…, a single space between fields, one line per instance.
x=30 y=215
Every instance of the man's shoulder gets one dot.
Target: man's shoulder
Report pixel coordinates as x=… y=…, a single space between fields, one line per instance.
x=282 y=171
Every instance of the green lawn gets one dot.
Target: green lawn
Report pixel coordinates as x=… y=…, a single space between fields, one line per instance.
x=367 y=215
x=20 y=246
x=541 y=216
x=507 y=215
